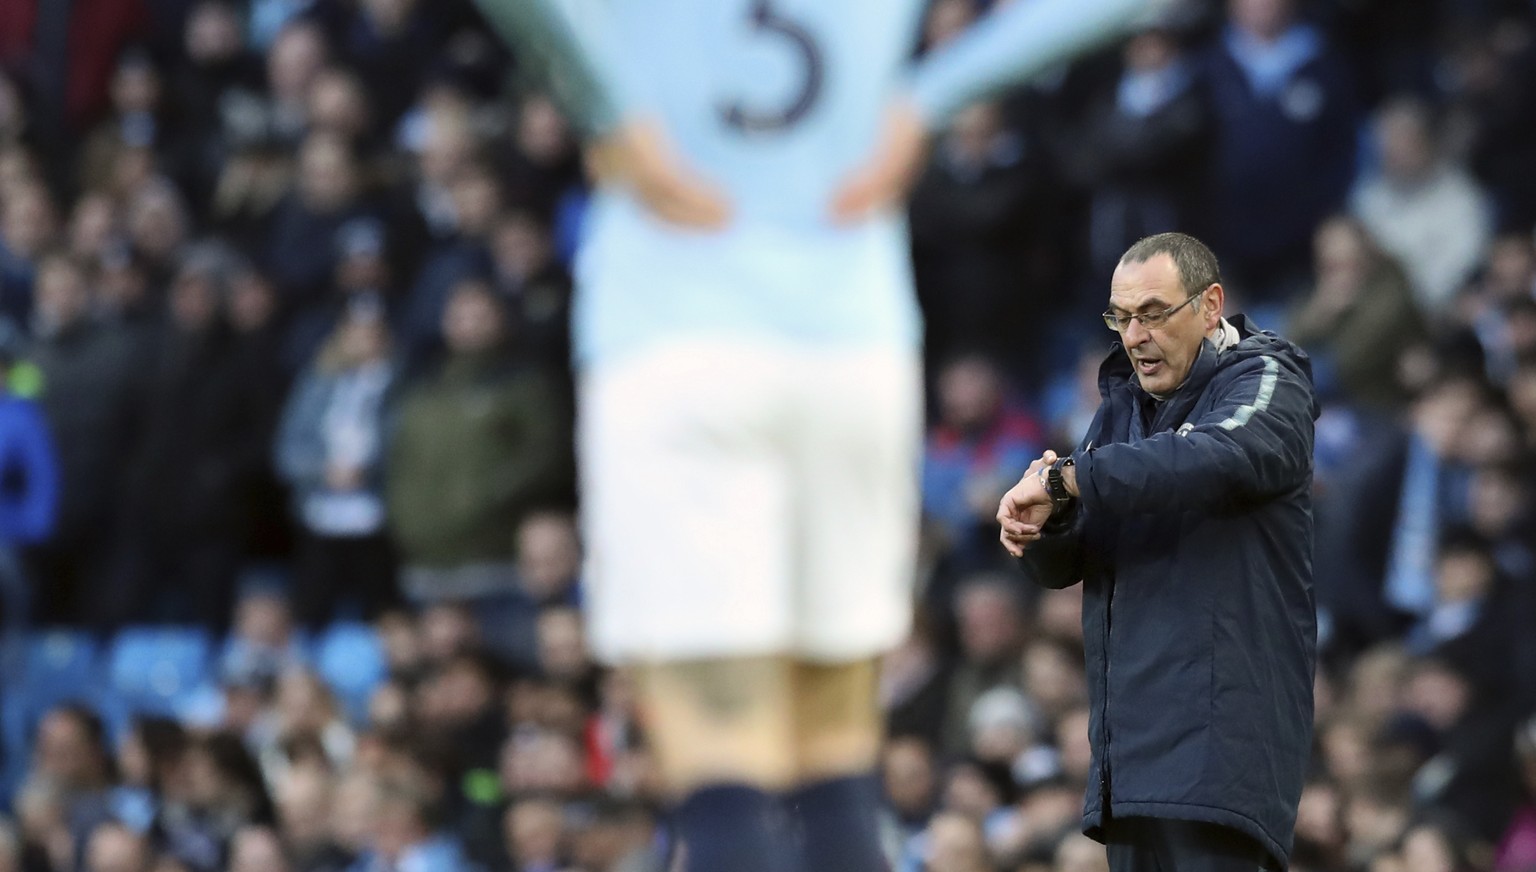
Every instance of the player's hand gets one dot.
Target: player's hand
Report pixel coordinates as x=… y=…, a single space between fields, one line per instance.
x=1024 y=509
x=883 y=180
x=639 y=155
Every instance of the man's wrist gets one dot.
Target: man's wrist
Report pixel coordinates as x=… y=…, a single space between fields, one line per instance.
x=1069 y=478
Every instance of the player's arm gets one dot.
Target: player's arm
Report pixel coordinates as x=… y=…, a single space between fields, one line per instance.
x=628 y=148
x=1006 y=47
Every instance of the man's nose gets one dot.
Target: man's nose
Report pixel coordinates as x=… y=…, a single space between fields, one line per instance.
x=1135 y=334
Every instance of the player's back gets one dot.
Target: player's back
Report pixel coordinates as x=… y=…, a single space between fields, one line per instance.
x=774 y=101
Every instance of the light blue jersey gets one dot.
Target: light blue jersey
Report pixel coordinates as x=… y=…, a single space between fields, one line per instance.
x=775 y=102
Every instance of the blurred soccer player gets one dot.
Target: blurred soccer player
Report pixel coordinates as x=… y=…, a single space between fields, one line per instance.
x=751 y=398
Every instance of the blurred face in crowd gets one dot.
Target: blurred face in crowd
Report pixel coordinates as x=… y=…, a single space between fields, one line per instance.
x=354 y=812
x=93 y=225
x=364 y=340
x=114 y=848
x=63 y=298
x=157 y=222
x=542 y=134
x=135 y=87
x=1061 y=613
x=1346 y=748
x=28 y=221
x=1407 y=144
x=521 y=245
x=1150 y=51
x=194 y=301
x=973 y=132
x=1441 y=413
x=304 y=805
x=476 y=200
x=473 y=322
x=1053 y=678
x=1438 y=695
x=909 y=776
x=402 y=643
x=1078 y=853
x=338 y=104
x=263 y=619
x=388 y=16
x=1342 y=257
x=456 y=695
x=1376 y=682
x=398 y=827
x=968 y=791
x=213 y=33
x=1511 y=268
x=970 y=394
x=1163 y=357
x=1319 y=817
x=327 y=173
x=1497 y=499
x=1463 y=575
x=562 y=644
x=533 y=831
x=304 y=703
x=389 y=707
x=542 y=761
x=1072 y=741
x=1265 y=19
x=252 y=302
x=448 y=630
x=946 y=20
x=257 y=849
x=1426 y=849
x=955 y=844
x=989 y=622
x=447 y=149
x=66 y=752
x=548 y=555
x=297 y=56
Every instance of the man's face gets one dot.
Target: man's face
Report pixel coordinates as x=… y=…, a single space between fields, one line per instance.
x=1162 y=357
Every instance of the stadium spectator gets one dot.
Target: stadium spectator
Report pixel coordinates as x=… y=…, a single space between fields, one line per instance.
x=1284 y=104
x=331 y=449
x=463 y=256
x=1359 y=316
x=980 y=437
x=1148 y=135
x=90 y=400
x=476 y=449
x=972 y=212
x=990 y=614
x=115 y=848
x=28 y=224
x=1426 y=211
x=300 y=252
x=183 y=537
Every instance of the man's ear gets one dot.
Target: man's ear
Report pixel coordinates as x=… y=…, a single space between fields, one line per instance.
x=1213 y=306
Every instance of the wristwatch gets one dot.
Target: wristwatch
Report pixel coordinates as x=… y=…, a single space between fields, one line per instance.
x=1056 y=486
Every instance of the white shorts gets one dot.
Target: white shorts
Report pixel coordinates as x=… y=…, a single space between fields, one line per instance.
x=742 y=499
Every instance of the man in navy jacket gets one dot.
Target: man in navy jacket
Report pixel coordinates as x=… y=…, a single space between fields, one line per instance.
x=1186 y=514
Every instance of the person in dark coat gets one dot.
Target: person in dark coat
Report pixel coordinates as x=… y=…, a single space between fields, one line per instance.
x=1187 y=515
x=1283 y=159
x=183 y=533
x=90 y=391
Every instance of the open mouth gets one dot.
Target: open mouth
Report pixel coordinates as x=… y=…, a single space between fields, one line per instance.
x=1148 y=367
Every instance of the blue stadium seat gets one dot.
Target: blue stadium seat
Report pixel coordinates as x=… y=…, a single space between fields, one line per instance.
x=157 y=670
x=350 y=657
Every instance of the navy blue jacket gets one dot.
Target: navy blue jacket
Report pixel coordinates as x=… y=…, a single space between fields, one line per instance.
x=1192 y=536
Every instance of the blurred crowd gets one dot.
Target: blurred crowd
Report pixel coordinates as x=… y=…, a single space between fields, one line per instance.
x=289 y=571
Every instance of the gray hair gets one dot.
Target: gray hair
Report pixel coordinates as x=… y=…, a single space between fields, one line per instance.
x=1195 y=262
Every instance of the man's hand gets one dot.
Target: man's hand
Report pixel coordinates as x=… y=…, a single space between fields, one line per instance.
x=884 y=179
x=639 y=155
x=1025 y=508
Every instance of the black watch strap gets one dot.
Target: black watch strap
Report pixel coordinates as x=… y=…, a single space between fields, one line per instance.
x=1056 y=485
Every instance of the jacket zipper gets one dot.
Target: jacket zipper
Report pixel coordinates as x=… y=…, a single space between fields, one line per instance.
x=1104 y=768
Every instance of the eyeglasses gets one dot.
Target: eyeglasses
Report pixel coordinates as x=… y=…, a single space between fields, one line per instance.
x=1149 y=320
